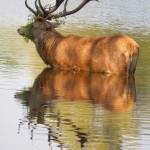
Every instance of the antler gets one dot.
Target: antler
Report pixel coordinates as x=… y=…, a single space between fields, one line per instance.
x=34 y=12
x=65 y=13
x=51 y=9
x=41 y=11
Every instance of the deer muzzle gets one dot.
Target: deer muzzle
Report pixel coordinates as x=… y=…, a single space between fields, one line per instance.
x=21 y=31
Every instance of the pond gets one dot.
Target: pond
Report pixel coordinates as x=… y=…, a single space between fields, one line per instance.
x=45 y=109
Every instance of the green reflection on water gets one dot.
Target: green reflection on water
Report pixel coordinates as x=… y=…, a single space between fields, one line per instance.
x=16 y=55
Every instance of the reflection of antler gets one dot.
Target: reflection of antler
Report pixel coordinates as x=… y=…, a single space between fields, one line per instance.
x=40 y=10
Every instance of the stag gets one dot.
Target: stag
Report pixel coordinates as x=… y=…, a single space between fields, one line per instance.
x=116 y=54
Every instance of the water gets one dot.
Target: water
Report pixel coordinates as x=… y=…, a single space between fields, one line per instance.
x=44 y=109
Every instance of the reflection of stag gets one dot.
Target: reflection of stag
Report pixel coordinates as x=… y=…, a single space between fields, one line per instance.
x=112 y=92
x=53 y=89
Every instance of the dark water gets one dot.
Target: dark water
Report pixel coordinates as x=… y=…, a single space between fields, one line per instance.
x=45 y=109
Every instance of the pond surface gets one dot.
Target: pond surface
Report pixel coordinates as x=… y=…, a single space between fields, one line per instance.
x=45 y=109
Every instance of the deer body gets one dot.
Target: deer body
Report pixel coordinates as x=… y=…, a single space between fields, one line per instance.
x=111 y=54
x=117 y=54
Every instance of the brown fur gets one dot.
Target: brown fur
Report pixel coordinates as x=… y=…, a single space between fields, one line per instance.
x=114 y=54
x=113 y=92
x=117 y=54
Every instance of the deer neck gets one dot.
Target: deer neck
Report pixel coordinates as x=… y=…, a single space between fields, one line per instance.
x=45 y=44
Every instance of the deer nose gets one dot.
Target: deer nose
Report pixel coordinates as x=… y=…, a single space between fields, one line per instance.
x=20 y=31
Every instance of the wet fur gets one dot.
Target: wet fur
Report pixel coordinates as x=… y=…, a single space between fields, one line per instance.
x=116 y=54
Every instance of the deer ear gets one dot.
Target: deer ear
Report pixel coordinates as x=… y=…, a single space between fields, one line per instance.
x=51 y=25
x=55 y=24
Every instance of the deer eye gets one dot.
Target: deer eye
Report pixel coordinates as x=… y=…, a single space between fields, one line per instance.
x=32 y=26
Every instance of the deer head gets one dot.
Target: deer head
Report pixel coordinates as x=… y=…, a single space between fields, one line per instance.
x=43 y=18
x=38 y=27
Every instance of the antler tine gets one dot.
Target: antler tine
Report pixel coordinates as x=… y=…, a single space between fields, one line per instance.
x=34 y=12
x=47 y=14
x=42 y=8
x=65 y=5
x=37 y=8
x=64 y=13
x=58 y=3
